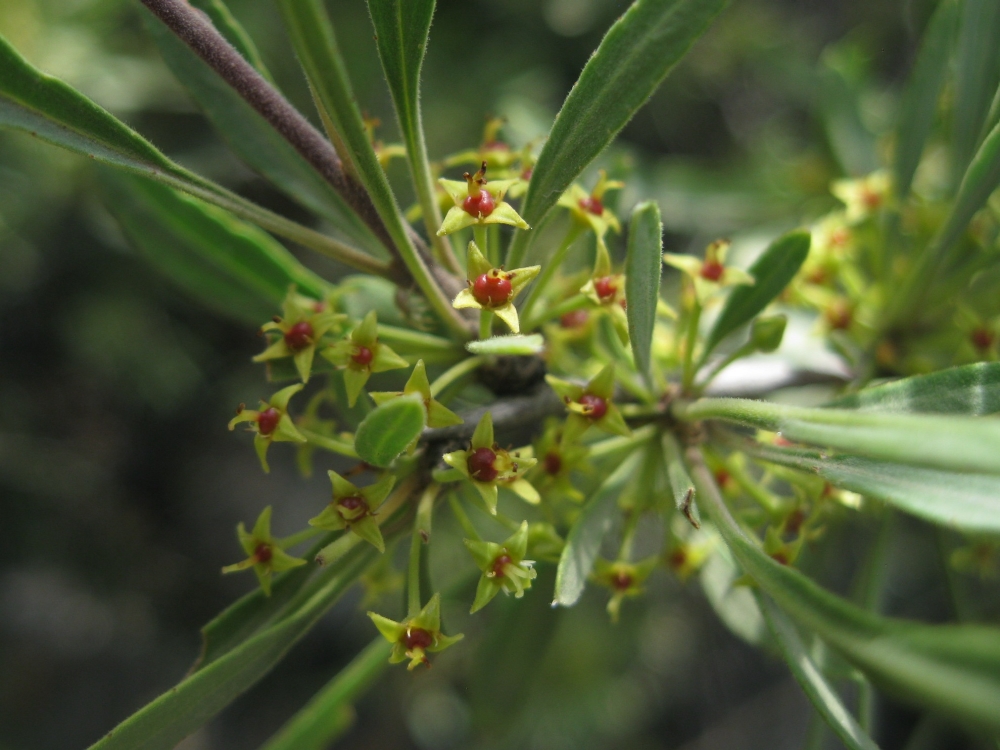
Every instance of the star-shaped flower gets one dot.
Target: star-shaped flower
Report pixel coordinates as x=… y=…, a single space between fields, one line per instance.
x=556 y=461
x=493 y=289
x=607 y=290
x=478 y=202
x=271 y=422
x=415 y=637
x=266 y=556
x=504 y=567
x=710 y=275
x=302 y=325
x=495 y=152
x=354 y=508
x=488 y=466
x=361 y=354
x=863 y=197
x=590 y=405
x=624 y=579
x=589 y=209
x=438 y=415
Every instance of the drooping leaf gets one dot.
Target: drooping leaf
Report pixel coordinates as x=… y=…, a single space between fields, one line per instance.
x=258 y=144
x=328 y=714
x=390 y=428
x=47 y=108
x=232 y=267
x=517 y=344
x=643 y=265
x=584 y=541
x=227 y=25
x=164 y=722
x=680 y=481
x=923 y=89
x=970 y=389
x=635 y=55
x=952 y=669
x=822 y=695
x=772 y=272
x=977 y=72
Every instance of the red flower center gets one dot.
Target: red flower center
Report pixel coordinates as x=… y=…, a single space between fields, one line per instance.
x=267 y=420
x=352 y=504
x=480 y=464
x=415 y=638
x=479 y=206
x=299 y=336
x=982 y=338
x=621 y=580
x=677 y=558
x=592 y=205
x=780 y=557
x=605 y=287
x=839 y=315
x=495 y=146
x=795 y=520
x=499 y=564
x=712 y=270
x=598 y=407
x=574 y=319
x=362 y=355
x=492 y=290
x=526 y=174
x=263 y=553
x=871 y=199
x=553 y=462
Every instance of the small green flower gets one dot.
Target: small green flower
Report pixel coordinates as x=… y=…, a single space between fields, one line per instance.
x=504 y=567
x=271 y=422
x=266 y=556
x=588 y=208
x=607 y=290
x=556 y=462
x=710 y=275
x=354 y=508
x=478 y=202
x=302 y=325
x=361 y=354
x=492 y=288
x=488 y=466
x=438 y=415
x=863 y=197
x=624 y=579
x=590 y=405
x=417 y=636
x=495 y=152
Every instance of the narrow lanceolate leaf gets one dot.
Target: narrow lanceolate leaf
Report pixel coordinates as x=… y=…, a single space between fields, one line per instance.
x=951 y=443
x=919 y=105
x=49 y=109
x=635 y=55
x=680 y=481
x=822 y=695
x=388 y=430
x=772 y=272
x=517 y=344
x=584 y=541
x=226 y=264
x=642 y=280
x=328 y=714
x=401 y=30
x=951 y=669
x=959 y=500
x=160 y=725
x=970 y=389
x=253 y=139
x=223 y=20
x=977 y=70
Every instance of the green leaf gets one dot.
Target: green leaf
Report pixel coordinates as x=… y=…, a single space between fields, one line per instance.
x=316 y=46
x=951 y=669
x=49 y=109
x=970 y=389
x=772 y=272
x=952 y=443
x=389 y=429
x=233 y=31
x=977 y=70
x=584 y=541
x=513 y=344
x=643 y=268
x=329 y=713
x=923 y=89
x=636 y=54
x=822 y=695
x=258 y=144
x=228 y=265
x=167 y=720
x=680 y=481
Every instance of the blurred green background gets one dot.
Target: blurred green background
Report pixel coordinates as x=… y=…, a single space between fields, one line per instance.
x=120 y=485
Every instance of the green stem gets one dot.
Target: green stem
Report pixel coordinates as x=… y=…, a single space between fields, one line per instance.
x=456 y=372
x=576 y=302
x=744 y=351
x=481 y=235
x=331 y=444
x=416 y=339
x=548 y=270
x=421 y=533
x=628 y=535
x=690 y=340
x=613 y=446
x=299 y=537
x=446 y=476
x=485 y=324
x=463 y=518
x=770 y=502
